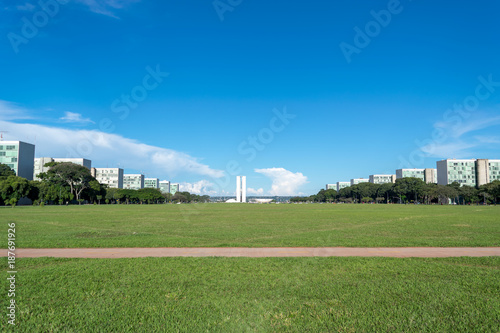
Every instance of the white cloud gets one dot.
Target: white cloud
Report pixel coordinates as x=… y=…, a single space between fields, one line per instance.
x=12 y=111
x=259 y=191
x=107 y=149
x=72 y=117
x=458 y=139
x=107 y=7
x=284 y=182
x=202 y=187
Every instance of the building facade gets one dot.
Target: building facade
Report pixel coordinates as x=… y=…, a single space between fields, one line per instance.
x=460 y=171
x=113 y=177
x=174 y=188
x=133 y=181
x=151 y=183
x=356 y=181
x=331 y=187
x=19 y=156
x=470 y=172
x=39 y=165
x=382 y=179
x=341 y=185
x=165 y=186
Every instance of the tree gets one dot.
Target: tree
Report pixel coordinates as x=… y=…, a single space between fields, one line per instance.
x=6 y=171
x=409 y=187
x=14 y=188
x=76 y=176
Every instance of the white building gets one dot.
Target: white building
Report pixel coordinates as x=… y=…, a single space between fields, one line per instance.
x=241 y=188
x=174 y=188
x=151 y=183
x=133 y=181
x=358 y=181
x=341 y=185
x=460 y=171
x=41 y=161
x=427 y=175
x=331 y=187
x=19 y=156
x=471 y=172
x=165 y=186
x=113 y=177
x=382 y=179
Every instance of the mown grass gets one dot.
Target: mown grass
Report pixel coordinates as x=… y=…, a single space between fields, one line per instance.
x=257 y=295
x=218 y=225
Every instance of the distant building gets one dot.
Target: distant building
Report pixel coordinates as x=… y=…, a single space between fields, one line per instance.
x=19 y=156
x=151 y=183
x=415 y=173
x=241 y=188
x=174 y=188
x=113 y=177
x=382 y=179
x=356 y=181
x=430 y=175
x=470 y=172
x=460 y=171
x=426 y=175
x=133 y=181
x=41 y=161
x=165 y=186
x=341 y=185
x=331 y=187
x=487 y=171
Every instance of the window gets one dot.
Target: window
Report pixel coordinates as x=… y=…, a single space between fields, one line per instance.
x=10 y=147
x=14 y=159
x=2 y=153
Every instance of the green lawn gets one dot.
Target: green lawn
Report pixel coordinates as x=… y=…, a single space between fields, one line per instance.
x=257 y=295
x=218 y=225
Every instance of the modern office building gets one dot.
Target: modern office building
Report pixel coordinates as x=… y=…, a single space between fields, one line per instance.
x=19 y=156
x=41 y=161
x=174 y=188
x=358 y=181
x=427 y=175
x=133 y=181
x=415 y=173
x=471 y=172
x=341 y=185
x=241 y=189
x=113 y=177
x=382 y=179
x=460 y=171
x=331 y=187
x=165 y=186
x=151 y=183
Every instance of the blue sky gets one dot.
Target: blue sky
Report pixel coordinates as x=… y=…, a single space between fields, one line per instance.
x=327 y=91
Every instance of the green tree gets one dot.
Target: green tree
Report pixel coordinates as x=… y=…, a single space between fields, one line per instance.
x=76 y=176
x=13 y=188
x=6 y=171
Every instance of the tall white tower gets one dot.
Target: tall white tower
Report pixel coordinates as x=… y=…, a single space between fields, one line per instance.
x=241 y=189
x=238 y=189
x=244 y=189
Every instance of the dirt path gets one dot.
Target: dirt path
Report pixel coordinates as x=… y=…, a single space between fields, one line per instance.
x=398 y=252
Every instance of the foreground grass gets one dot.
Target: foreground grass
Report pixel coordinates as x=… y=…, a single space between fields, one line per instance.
x=257 y=295
x=218 y=225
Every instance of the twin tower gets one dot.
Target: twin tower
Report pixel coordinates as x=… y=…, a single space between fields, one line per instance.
x=241 y=188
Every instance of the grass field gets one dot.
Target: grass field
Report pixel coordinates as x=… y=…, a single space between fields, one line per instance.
x=218 y=225
x=257 y=295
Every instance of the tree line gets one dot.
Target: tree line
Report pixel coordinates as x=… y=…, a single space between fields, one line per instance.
x=66 y=183
x=409 y=190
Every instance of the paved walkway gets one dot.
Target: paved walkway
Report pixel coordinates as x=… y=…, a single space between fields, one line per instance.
x=398 y=252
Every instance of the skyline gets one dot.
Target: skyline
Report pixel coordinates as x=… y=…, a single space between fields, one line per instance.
x=199 y=93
